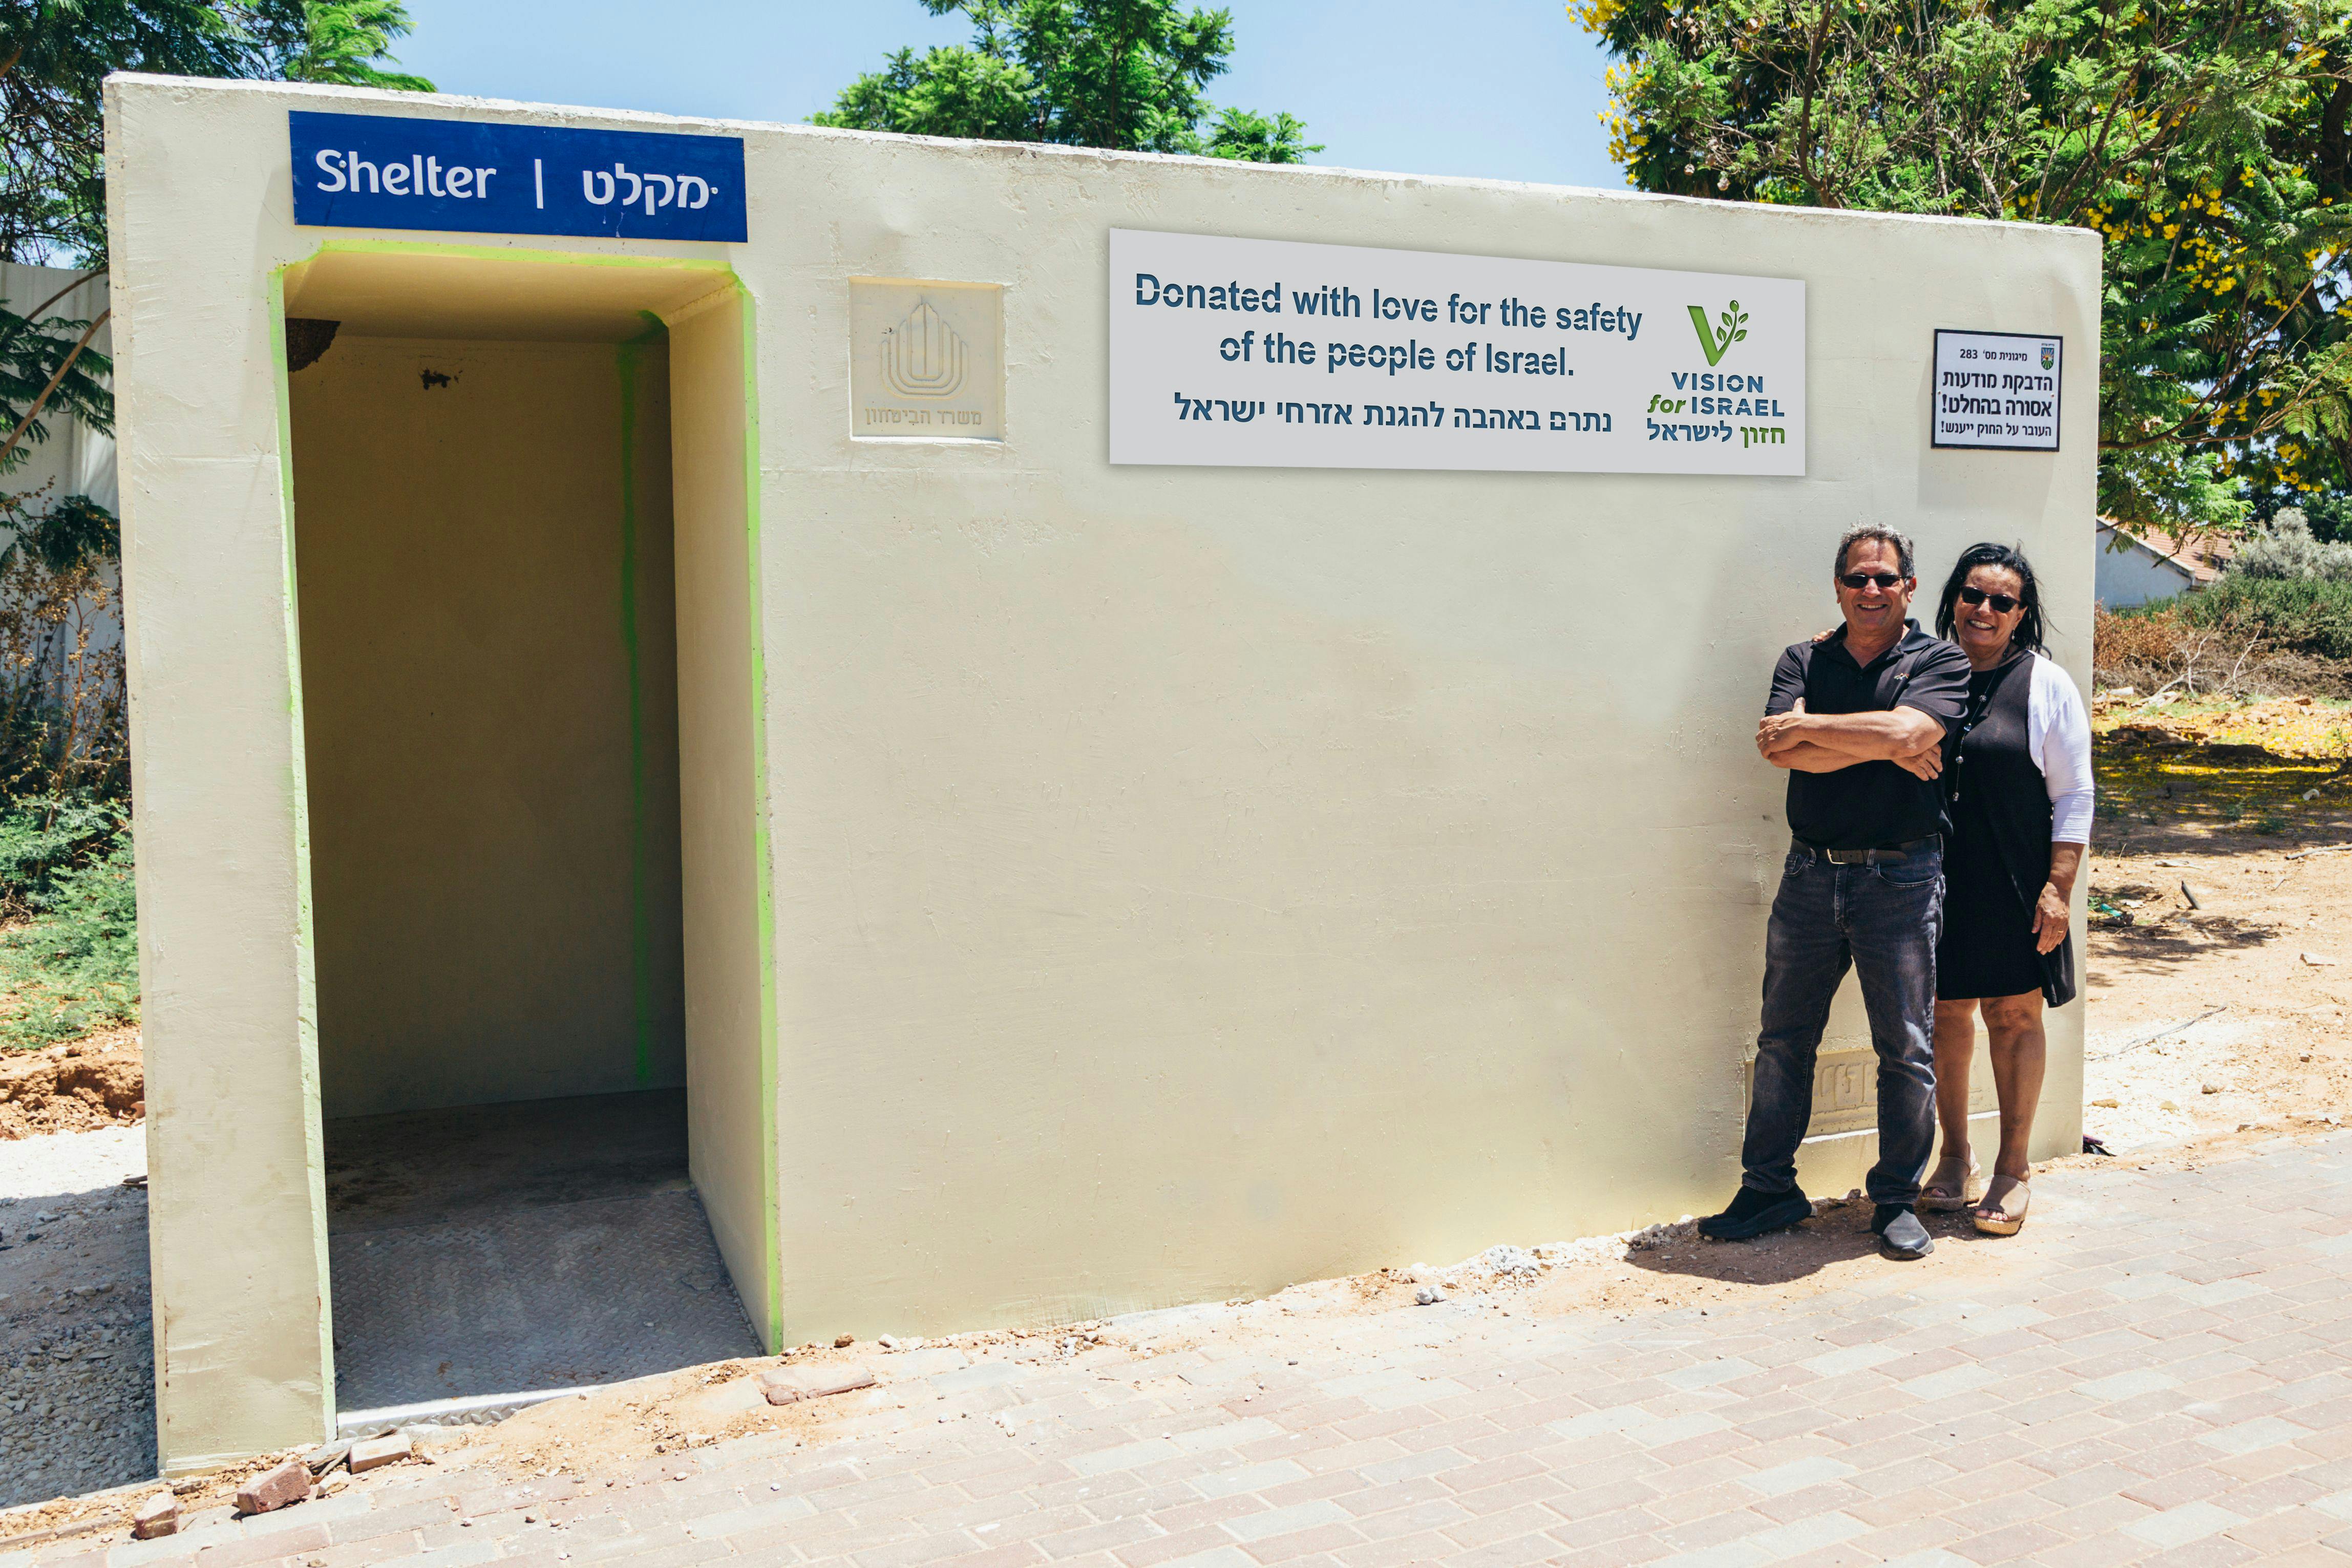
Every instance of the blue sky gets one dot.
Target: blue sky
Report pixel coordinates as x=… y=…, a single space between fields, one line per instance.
x=1504 y=88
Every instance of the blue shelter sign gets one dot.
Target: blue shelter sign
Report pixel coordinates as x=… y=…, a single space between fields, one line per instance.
x=382 y=171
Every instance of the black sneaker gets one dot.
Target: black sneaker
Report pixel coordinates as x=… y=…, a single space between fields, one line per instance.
x=1752 y=1213
x=1900 y=1234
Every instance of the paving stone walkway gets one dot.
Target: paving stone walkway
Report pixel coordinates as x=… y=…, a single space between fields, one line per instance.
x=2156 y=1372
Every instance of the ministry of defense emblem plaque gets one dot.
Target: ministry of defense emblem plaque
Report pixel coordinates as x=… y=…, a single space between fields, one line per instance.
x=925 y=361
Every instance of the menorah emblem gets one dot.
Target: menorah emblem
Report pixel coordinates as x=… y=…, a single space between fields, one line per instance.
x=922 y=356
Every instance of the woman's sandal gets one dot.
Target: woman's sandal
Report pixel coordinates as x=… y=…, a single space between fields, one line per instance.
x=2003 y=1212
x=1947 y=1191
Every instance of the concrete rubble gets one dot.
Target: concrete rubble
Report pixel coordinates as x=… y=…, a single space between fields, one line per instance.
x=791 y=1384
x=370 y=1453
x=327 y=1456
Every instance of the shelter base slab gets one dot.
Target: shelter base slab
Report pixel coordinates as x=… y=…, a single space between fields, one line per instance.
x=494 y=1249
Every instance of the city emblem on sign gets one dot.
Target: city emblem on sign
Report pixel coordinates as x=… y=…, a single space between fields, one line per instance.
x=2049 y=355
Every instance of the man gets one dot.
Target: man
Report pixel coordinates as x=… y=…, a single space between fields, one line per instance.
x=1858 y=719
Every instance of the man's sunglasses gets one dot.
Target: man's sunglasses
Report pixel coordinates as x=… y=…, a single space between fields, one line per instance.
x=2001 y=602
x=1864 y=579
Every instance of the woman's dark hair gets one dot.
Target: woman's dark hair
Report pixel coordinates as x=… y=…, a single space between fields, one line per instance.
x=2028 y=634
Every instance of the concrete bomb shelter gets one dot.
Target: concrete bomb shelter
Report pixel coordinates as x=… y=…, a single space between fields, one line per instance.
x=759 y=707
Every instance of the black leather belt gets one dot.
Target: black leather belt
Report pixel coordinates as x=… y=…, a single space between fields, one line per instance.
x=1878 y=856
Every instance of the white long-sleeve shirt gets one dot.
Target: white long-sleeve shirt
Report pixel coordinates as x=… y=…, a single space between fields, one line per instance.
x=2058 y=737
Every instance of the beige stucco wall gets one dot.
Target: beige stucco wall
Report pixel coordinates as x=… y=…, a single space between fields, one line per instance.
x=729 y=998
x=1185 y=880
x=1200 y=879
x=493 y=830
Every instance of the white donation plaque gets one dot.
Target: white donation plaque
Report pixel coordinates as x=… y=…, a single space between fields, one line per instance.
x=1996 y=391
x=1274 y=354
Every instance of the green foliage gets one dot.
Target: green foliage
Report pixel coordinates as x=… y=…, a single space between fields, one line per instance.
x=1126 y=74
x=2286 y=551
x=37 y=349
x=2307 y=614
x=949 y=92
x=2328 y=513
x=2330 y=516
x=341 y=40
x=75 y=968
x=55 y=54
x=63 y=537
x=1251 y=138
x=43 y=835
x=2206 y=140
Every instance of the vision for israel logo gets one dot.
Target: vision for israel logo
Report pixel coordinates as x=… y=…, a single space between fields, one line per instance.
x=922 y=356
x=1734 y=327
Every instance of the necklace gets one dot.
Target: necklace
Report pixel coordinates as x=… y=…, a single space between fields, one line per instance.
x=1978 y=709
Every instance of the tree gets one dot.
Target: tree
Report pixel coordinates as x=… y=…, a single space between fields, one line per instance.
x=54 y=56
x=340 y=41
x=1128 y=74
x=2205 y=139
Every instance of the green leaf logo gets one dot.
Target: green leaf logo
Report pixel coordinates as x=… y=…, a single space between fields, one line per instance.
x=1715 y=342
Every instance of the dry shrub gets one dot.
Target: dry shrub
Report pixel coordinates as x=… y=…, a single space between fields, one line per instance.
x=2172 y=650
x=61 y=679
x=2141 y=651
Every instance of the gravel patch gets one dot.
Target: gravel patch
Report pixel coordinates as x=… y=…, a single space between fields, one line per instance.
x=77 y=1356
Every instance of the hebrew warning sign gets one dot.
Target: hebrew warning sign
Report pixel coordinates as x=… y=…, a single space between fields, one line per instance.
x=1998 y=390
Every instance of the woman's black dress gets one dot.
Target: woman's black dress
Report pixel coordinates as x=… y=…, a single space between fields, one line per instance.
x=1998 y=856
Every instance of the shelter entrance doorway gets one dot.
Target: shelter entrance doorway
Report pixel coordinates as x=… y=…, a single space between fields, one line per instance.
x=514 y=481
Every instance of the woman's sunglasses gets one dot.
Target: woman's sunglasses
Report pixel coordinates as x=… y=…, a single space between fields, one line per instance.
x=2001 y=602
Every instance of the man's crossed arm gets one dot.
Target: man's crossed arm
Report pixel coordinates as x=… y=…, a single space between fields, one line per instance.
x=1824 y=743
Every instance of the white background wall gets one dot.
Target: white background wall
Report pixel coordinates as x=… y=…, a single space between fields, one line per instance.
x=2135 y=574
x=76 y=459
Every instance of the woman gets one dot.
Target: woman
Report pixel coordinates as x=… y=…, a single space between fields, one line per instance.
x=2019 y=795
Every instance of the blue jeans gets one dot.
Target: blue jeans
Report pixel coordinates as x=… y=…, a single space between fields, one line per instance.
x=1882 y=921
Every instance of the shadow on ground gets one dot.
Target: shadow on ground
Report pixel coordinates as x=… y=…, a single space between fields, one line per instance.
x=2216 y=800
x=76 y=1371
x=1837 y=1235
x=2180 y=940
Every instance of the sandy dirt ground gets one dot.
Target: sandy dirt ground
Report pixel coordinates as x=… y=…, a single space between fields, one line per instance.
x=90 y=1083
x=2221 y=893
x=2217 y=978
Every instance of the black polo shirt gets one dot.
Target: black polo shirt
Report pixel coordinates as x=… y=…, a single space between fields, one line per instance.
x=1870 y=806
